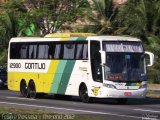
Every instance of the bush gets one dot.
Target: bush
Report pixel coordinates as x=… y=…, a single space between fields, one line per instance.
x=153 y=76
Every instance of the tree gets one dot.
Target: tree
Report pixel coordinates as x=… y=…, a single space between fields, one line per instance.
x=15 y=18
x=103 y=13
x=55 y=15
x=139 y=18
x=27 y=17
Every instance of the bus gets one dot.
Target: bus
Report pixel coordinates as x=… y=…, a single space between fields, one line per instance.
x=79 y=64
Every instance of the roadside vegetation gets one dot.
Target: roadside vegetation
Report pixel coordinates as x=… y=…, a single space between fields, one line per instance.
x=137 y=18
x=12 y=113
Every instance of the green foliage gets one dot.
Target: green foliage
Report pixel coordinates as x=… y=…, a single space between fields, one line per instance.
x=139 y=18
x=3 y=58
x=103 y=15
x=54 y=15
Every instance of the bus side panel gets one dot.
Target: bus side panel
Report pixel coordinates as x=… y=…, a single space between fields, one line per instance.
x=48 y=78
x=78 y=75
x=57 y=77
x=12 y=84
x=31 y=70
x=68 y=77
x=14 y=79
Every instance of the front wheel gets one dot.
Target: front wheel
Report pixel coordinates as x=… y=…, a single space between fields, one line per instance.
x=83 y=94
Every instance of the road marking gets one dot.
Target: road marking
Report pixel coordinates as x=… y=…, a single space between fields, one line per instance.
x=147 y=110
x=67 y=109
x=19 y=98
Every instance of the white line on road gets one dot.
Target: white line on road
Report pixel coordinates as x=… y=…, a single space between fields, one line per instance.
x=20 y=98
x=147 y=110
x=66 y=109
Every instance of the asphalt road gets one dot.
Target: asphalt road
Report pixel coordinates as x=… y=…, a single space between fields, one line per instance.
x=134 y=109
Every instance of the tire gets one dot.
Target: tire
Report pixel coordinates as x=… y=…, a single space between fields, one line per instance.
x=83 y=94
x=24 y=89
x=32 y=90
x=121 y=100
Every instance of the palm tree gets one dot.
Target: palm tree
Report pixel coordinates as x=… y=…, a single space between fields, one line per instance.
x=15 y=18
x=104 y=12
x=139 y=18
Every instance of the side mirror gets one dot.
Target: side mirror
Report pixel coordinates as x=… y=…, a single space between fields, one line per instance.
x=103 y=56
x=151 y=58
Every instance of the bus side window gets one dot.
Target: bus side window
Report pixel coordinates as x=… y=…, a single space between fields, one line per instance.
x=79 y=51
x=57 y=51
x=85 y=51
x=43 y=51
x=32 y=51
x=51 y=50
x=69 y=51
x=14 y=47
x=23 y=51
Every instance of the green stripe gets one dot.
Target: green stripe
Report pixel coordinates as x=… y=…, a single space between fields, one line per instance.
x=65 y=69
x=81 y=38
x=58 y=76
x=68 y=71
x=66 y=76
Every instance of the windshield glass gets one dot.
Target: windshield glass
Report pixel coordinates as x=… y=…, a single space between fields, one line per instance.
x=125 y=66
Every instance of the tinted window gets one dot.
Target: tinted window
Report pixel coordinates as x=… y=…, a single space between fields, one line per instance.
x=73 y=50
x=23 y=51
x=43 y=52
x=14 y=51
x=69 y=51
x=32 y=51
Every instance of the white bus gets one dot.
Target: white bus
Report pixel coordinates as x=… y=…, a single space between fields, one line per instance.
x=78 y=64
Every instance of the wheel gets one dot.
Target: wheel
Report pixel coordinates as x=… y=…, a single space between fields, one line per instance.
x=23 y=89
x=83 y=94
x=32 y=90
x=121 y=100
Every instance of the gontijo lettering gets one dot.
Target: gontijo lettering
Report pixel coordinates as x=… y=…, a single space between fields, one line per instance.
x=35 y=65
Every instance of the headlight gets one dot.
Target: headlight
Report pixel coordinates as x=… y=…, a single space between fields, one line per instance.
x=109 y=85
x=143 y=86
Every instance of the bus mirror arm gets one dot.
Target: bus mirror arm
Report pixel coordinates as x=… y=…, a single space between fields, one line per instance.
x=103 y=56
x=151 y=57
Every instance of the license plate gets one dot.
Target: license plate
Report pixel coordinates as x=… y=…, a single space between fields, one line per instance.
x=127 y=93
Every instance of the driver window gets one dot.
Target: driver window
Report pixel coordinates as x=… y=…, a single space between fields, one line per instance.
x=96 y=61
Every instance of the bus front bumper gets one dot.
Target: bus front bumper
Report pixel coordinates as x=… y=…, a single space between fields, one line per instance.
x=115 y=93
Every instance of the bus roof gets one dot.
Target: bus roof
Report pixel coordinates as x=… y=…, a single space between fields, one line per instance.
x=68 y=36
x=114 y=38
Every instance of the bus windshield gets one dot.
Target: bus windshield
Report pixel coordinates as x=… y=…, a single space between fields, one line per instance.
x=125 y=65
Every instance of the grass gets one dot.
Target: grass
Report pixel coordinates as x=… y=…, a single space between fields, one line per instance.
x=153 y=86
x=13 y=113
x=151 y=93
